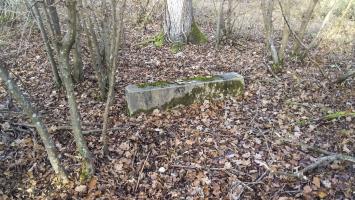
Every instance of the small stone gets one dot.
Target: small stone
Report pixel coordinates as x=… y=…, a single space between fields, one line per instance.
x=161 y=169
x=348 y=118
x=326 y=183
x=227 y=165
x=81 y=188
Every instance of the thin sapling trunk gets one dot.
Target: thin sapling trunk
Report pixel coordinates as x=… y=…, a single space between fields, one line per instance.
x=66 y=46
x=15 y=92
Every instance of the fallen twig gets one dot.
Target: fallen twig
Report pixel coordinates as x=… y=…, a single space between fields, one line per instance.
x=322 y=161
x=210 y=168
x=345 y=76
x=227 y=171
x=140 y=172
x=68 y=128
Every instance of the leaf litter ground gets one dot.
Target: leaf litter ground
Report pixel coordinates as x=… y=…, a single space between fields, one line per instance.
x=204 y=151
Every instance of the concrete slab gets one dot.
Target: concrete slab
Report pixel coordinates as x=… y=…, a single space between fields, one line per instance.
x=162 y=95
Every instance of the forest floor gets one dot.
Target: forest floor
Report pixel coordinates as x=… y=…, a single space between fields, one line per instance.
x=222 y=149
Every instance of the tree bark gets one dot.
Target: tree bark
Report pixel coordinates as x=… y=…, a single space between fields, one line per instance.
x=65 y=48
x=96 y=57
x=267 y=7
x=285 y=32
x=178 y=20
x=37 y=122
x=220 y=23
x=34 y=9
x=77 y=71
x=54 y=17
x=305 y=20
x=117 y=43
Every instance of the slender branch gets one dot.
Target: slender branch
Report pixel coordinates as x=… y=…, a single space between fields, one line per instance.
x=300 y=41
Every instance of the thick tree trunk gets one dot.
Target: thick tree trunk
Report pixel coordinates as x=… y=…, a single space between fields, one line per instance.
x=305 y=20
x=37 y=122
x=66 y=45
x=285 y=32
x=267 y=8
x=178 y=20
x=39 y=20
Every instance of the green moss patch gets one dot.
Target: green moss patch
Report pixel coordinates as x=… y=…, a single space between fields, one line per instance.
x=154 y=84
x=4 y=18
x=201 y=78
x=210 y=91
x=277 y=67
x=177 y=47
x=337 y=115
x=159 y=40
x=196 y=36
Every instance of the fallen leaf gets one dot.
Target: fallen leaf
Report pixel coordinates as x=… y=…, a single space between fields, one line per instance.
x=307 y=189
x=316 y=182
x=322 y=194
x=92 y=184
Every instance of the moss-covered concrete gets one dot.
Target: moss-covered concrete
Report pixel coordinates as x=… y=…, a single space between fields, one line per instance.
x=154 y=84
x=213 y=90
x=201 y=78
x=163 y=95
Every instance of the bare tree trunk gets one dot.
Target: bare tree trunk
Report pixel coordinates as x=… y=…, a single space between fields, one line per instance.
x=97 y=59
x=230 y=19
x=105 y=34
x=98 y=48
x=285 y=32
x=34 y=9
x=37 y=122
x=220 y=23
x=78 y=63
x=65 y=48
x=305 y=20
x=267 y=7
x=117 y=42
x=316 y=40
x=178 y=20
x=54 y=17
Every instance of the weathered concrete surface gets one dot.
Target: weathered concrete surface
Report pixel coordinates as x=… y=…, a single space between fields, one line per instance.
x=146 y=99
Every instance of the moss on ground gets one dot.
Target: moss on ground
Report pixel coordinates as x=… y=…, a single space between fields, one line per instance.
x=337 y=115
x=177 y=47
x=159 y=40
x=4 y=18
x=277 y=67
x=154 y=84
